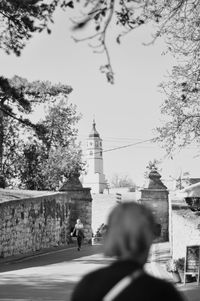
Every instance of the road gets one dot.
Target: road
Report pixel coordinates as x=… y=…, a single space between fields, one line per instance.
x=53 y=275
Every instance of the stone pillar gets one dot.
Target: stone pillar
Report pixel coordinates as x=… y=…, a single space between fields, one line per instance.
x=155 y=196
x=80 y=204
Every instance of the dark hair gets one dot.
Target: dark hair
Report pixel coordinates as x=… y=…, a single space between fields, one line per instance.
x=130 y=232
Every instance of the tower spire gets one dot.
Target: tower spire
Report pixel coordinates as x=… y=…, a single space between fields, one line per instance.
x=94 y=132
x=94 y=123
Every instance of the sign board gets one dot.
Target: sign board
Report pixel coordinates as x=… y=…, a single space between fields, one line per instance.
x=118 y=197
x=192 y=261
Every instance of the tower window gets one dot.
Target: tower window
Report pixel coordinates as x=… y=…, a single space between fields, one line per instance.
x=91 y=153
x=101 y=153
x=96 y=143
x=90 y=143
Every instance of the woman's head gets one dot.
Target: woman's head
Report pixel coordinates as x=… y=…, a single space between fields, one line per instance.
x=130 y=232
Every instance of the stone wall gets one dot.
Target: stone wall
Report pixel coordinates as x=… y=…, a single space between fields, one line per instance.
x=185 y=230
x=157 y=201
x=37 y=223
x=155 y=196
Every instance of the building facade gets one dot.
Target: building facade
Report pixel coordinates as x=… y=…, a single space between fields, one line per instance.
x=94 y=177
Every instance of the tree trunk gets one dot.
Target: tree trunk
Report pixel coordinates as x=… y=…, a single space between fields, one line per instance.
x=2 y=179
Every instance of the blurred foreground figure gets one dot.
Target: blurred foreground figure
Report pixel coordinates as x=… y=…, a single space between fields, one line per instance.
x=128 y=239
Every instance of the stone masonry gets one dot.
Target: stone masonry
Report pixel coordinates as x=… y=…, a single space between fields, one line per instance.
x=32 y=224
x=155 y=196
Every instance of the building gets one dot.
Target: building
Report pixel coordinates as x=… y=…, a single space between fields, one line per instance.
x=94 y=177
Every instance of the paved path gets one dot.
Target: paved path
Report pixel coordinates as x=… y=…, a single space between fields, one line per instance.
x=52 y=276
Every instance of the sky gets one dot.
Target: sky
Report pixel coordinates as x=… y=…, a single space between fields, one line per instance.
x=126 y=112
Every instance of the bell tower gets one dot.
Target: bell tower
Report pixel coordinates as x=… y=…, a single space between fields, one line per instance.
x=95 y=177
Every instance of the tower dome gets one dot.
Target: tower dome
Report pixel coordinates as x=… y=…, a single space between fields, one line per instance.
x=94 y=132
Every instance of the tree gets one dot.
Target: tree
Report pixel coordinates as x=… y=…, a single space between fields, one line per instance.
x=30 y=165
x=177 y=21
x=11 y=154
x=17 y=99
x=152 y=165
x=183 y=180
x=122 y=181
x=20 y=19
x=59 y=125
x=61 y=164
x=181 y=111
x=53 y=154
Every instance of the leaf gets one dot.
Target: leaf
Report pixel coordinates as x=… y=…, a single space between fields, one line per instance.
x=70 y=4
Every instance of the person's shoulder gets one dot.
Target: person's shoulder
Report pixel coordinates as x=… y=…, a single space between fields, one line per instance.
x=83 y=289
x=163 y=287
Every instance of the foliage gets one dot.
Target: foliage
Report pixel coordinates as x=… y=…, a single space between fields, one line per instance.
x=183 y=180
x=18 y=94
x=53 y=154
x=61 y=163
x=19 y=19
x=122 y=181
x=176 y=21
x=59 y=124
x=101 y=230
x=171 y=266
x=30 y=166
x=11 y=154
x=181 y=111
x=180 y=263
x=152 y=165
x=18 y=97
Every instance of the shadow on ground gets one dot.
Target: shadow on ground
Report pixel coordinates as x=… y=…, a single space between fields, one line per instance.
x=52 y=257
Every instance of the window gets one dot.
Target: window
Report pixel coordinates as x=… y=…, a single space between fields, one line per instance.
x=91 y=153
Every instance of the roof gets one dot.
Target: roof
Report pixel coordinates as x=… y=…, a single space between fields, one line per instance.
x=94 y=132
x=192 y=190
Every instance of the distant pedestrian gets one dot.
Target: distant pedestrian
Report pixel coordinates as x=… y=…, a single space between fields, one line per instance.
x=128 y=238
x=78 y=233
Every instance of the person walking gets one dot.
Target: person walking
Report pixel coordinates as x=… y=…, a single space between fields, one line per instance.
x=78 y=232
x=128 y=238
